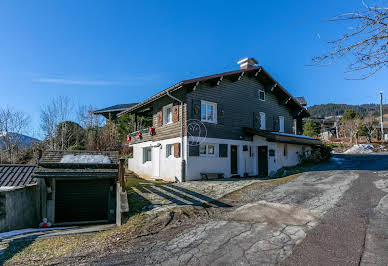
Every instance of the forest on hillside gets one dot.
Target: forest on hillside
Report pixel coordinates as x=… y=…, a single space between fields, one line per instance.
x=331 y=109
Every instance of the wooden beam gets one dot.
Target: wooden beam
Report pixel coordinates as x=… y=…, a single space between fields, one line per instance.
x=196 y=85
x=273 y=87
x=257 y=73
x=300 y=112
x=288 y=100
x=219 y=81
x=241 y=75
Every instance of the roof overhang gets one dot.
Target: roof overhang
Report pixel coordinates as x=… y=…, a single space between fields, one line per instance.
x=282 y=138
x=256 y=72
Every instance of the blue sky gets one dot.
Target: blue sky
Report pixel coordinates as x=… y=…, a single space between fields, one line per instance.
x=109 y=52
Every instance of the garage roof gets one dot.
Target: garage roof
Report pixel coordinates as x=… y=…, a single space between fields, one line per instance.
x=16 y=175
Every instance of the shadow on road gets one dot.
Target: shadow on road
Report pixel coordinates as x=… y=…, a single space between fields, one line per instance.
x=368 y=162
x=14 y=247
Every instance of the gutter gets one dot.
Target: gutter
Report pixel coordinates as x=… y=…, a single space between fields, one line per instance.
x=182 y=134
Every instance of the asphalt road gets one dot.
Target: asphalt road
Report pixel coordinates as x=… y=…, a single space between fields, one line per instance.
x=336 y=214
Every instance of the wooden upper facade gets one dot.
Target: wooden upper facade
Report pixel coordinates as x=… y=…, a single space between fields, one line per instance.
x=224 y=104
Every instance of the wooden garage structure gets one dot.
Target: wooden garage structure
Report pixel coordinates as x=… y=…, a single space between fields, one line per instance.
x=78 y=186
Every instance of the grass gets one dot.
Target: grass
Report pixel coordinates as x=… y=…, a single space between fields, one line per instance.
x=292 y=170
x=57 y=249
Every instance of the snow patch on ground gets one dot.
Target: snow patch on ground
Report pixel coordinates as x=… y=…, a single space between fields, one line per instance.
x=87 y=158
x=29 y=230
x=360 y=149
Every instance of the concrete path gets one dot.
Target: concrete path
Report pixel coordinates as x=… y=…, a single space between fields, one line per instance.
x=334 y=215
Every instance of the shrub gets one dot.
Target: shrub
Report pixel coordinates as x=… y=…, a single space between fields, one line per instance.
x=76 y=148
x=317 y=154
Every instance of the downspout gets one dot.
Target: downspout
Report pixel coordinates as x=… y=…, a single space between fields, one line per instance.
x=183 y=166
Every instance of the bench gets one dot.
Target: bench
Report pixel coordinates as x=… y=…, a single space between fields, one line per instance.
x=205 y=176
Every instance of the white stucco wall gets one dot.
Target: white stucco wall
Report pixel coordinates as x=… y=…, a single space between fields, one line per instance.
x=169 y=168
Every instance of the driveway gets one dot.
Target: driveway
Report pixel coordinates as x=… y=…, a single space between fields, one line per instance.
x=335 y=214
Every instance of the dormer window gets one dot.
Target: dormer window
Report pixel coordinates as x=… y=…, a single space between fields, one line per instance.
x=261 y=95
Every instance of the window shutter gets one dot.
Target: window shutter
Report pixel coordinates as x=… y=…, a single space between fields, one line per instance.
x=275 y=125
x=193 y=149
x=223 y=150
x=177 y=150
x=256 y=120
x=175 y=113
x=220 y=114
x=167 y=150
x=159 y=118
x=196 y=109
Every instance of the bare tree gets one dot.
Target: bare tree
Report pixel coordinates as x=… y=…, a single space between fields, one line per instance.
x=57 y=111
x=366 y=41
x=369 y=125
x=12 y=125
x=87 y=119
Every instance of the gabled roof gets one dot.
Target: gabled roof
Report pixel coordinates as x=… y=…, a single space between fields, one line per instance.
x=51 y=165
x=114 y=108
x=16 y=175
x=260 y=70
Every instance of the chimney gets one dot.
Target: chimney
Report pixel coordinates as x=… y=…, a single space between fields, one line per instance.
x=247 y=63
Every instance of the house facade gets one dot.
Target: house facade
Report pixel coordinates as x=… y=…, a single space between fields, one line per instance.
x=238 y=123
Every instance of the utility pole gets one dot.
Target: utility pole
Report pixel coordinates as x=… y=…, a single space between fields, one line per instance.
x=381 y=116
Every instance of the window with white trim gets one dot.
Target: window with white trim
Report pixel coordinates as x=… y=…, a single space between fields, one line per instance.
x=147 y=154
x=262 y=120
x=207 y=149
x=281 y=123
x=261 y=95
x=208 y=112
x=167 y=114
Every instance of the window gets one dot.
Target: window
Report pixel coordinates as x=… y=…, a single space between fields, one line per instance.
x=167 y=114
x=261 y=95
x=208 y=112
x=207 y=149
x=168 y=150
x=281 y=123
x=285 y=150
x=262 y=120
x=147 y=157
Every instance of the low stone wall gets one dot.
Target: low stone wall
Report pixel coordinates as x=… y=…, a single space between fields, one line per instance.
x=19 y=208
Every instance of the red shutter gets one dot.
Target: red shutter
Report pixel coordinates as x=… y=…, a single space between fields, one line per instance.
x=159 y=118
x=177 y=150
x=175 y=113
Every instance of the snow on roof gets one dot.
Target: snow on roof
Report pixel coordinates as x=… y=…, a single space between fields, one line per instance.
x=293 y=135
x=6 y=188
x=86 y=159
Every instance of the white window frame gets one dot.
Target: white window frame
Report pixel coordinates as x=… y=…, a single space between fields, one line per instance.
x=206 y=103
x=165 y=108
x=171 y=153
x=144 y=154
x=206 y=154
x=263 y=94
x=262 y=121
x=281 y=124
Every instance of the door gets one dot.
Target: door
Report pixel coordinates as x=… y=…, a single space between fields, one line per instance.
x=262 y=161
x=233 y=159
x=82 y=200
x=156 y=161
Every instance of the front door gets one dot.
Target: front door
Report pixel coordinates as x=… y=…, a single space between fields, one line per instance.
x=156 y=161
x=262 y=161
x=233 y=159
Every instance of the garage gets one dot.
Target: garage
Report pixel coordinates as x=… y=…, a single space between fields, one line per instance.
x=78 y=187
x=81 y=200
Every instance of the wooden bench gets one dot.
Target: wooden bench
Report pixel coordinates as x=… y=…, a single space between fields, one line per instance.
x=205 y=176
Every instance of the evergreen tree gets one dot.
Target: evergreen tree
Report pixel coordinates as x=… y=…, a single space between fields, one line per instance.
x=311 y=129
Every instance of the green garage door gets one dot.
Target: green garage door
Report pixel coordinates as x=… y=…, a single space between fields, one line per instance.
x=81 y=200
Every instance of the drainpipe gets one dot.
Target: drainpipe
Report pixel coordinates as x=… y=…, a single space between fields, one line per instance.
x=182 y=136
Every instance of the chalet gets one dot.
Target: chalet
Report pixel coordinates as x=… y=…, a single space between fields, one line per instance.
x=237 y=123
